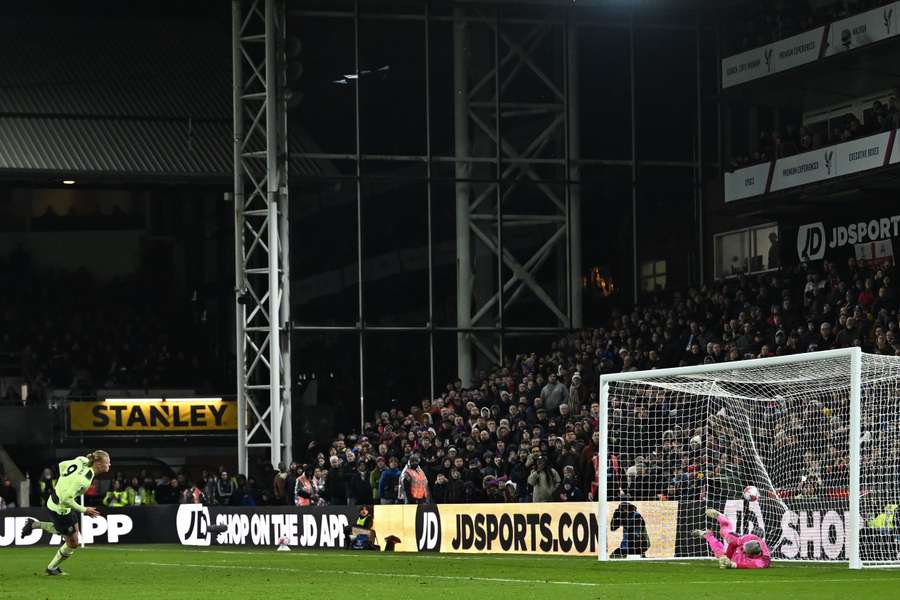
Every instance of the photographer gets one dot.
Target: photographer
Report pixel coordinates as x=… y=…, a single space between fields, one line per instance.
x=360 y=534
x=543 y=479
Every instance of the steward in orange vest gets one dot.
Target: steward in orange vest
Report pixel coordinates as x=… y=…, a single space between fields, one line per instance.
x=414 y=483
x=304 y=490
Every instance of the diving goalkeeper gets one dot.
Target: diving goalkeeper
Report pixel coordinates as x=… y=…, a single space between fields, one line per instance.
x=75 y=476
x=738 y=552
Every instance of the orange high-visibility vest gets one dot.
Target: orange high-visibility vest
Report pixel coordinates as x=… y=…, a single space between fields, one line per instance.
x=307 y=487
x=418 y=487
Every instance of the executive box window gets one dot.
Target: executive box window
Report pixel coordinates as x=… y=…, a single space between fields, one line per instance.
x=751 y=250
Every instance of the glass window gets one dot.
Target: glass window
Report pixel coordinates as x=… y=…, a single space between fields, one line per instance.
x=765 y=248
x=751 y=250
x=653 y=275
x=731 y=254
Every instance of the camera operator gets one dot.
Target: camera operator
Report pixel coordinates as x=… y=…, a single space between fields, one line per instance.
x=543 y=479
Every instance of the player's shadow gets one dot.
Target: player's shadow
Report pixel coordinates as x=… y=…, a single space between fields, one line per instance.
x=635 y=538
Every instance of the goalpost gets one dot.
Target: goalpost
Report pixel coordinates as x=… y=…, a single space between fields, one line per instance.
x=817 y=434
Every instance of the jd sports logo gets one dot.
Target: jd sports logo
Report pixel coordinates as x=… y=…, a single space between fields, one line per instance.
x=428 y=528
x=192 y=523
x=811 y=242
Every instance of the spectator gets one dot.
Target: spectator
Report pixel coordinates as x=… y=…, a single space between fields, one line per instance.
x=553 y=394
x=147 y=493
x=576 y=394
x=45 y=485
x=278 y=483
x=132 y=492
x=359 y=490
x=191 y=494
x=225 y=489
x=336 y=483
x=117 y=496
x=389 y=482
x=544 y=480
x=8 y=493
x=375 y=479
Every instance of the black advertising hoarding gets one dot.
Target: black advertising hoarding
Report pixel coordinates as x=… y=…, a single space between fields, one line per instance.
x=799 y=530
x=186 y=524
x=308 y=527
x=140 y=525
x=872 y=240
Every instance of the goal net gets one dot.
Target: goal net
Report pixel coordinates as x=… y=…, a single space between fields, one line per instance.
x=802 y=450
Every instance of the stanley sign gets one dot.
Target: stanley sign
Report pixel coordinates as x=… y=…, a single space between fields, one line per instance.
x=135 y=415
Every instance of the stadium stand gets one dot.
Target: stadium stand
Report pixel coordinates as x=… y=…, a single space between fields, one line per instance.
x=481 y=444
x=765 y=22
x=66 y=330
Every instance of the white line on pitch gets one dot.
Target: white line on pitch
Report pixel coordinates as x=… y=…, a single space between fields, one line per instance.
x=501 y=579
x=370 y=574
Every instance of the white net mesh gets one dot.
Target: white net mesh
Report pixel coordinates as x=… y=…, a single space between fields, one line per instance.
x=700 y=439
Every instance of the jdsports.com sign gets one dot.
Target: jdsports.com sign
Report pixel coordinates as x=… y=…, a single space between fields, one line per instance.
x=537 y=528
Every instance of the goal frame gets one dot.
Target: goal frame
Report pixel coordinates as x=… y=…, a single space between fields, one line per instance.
x=853 y=355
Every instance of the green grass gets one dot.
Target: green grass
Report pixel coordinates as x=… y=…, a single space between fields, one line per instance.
x=170 y=572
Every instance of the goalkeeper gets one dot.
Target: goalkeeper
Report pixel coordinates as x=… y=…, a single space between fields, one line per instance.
x=75 y=476
x=738 y=552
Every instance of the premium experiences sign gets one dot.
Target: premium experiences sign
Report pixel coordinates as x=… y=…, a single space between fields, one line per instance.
x=171 y=415
x=855 y=156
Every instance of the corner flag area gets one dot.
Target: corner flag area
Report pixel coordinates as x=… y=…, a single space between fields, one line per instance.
x=174 y=572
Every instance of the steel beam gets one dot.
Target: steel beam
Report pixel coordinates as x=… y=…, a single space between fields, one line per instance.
x=262 y=293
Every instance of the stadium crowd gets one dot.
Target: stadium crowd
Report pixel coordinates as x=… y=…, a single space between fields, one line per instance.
x=771 y=145
x=766 y=21
x=66 y=330
x=527 y=431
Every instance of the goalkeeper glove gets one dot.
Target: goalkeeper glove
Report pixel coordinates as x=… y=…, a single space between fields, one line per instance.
x=725 y=563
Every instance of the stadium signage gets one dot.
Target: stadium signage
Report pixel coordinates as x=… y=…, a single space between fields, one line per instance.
x=848 y=158
x=109 y=528
x=136 y=415
x=842 y=36
x=862 y=29
x=802 y=531
x=313 y=527
x=812 y=239
x=539 y=528
x=263 y=526
x=780 y=56
x=748 y=182
x=813 y=534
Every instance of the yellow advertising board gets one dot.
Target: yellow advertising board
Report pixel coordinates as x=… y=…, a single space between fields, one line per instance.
x=566 y=528
x=136 y=415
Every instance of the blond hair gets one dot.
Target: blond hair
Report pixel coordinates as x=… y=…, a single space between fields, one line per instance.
x=97 y=456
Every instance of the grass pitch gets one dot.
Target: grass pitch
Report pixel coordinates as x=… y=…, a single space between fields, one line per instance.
x=170 y=572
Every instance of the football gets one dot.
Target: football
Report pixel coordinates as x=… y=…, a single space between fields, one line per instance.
x=751 y=493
